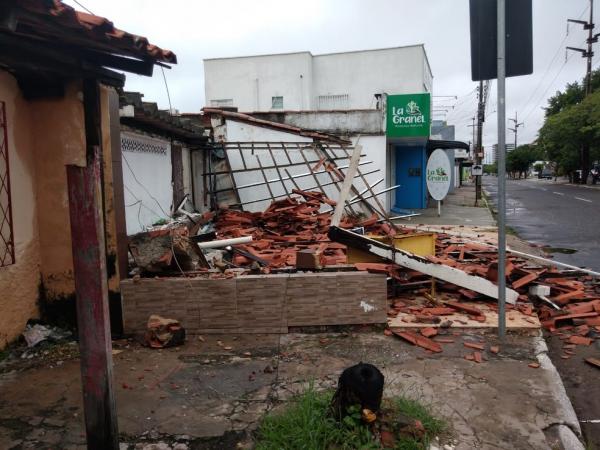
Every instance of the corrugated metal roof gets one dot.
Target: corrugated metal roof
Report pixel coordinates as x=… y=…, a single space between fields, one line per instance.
x=53 y=20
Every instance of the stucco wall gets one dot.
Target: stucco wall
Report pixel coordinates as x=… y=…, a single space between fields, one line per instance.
x=147 y=174
x=110 y=226
x=187 y=173
x=59 y=133
x=252 y=81
x=363 y=74
x=337 y=122
x=301 y=78
x=19 y=282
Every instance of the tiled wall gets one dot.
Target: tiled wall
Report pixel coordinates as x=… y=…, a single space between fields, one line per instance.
x=257 y=303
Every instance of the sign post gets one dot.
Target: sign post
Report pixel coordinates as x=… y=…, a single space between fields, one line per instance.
x=438 y=176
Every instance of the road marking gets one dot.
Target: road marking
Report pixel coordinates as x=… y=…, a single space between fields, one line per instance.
x=558 y=193
x=543 y=189
x=583 y=199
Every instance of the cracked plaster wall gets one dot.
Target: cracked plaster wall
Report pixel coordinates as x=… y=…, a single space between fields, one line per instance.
x=19 y=282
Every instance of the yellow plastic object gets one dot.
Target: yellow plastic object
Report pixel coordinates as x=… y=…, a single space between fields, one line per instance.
x=368 y=415
x=422 y=244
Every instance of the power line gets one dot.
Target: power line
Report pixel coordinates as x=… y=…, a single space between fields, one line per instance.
x=547 y=71
x=167 y=88
x=75 y=1
x=534 y=105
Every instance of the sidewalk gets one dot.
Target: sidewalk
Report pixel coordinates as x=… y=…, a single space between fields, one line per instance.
x=202 y=396
x=458 y=208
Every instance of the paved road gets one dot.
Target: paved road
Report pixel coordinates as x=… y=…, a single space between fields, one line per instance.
x=559 y=215
x=562 y=216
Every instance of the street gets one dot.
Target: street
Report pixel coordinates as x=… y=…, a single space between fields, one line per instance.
x=563 y=217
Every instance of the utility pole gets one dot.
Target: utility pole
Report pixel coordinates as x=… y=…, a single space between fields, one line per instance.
x=473 y=148
x=479 y=147
x=588 y=54
x=516 y=128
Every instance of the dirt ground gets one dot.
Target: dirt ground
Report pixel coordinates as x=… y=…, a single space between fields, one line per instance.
x=202 y=396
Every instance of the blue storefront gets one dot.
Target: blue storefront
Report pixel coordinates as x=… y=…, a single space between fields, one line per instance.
x=407 y=131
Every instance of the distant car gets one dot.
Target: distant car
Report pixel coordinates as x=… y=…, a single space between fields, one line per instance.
x=595 y=173
x=545 y=174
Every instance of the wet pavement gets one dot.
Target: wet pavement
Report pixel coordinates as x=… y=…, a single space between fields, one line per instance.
x=563 y=217
x=201 y=396
x=567 y=219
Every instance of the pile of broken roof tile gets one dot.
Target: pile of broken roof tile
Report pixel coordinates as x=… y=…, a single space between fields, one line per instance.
x=287 y=226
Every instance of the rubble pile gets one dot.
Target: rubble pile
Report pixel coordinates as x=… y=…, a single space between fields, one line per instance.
x=164 y=247
x=293 y=233
x=288 y=226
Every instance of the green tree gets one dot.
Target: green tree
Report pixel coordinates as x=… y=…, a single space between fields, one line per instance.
x=566 y=135
x=572 y=145
x=519 y=160
x=490 y=168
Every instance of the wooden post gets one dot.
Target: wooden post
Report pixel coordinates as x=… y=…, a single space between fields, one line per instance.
x=352 y=167
x=89 y=264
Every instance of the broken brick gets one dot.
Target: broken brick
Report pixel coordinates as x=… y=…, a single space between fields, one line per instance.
x=534 y=365
x=525 y=280
x=580 y=340
x=420 y=341
x=466 y=308
x=429 y=332
x=474 y=345
x=494 y=349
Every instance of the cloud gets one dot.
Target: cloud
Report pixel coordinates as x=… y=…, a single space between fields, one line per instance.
x=196 y=30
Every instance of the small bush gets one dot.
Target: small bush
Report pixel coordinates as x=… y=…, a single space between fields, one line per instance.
x=306 y=425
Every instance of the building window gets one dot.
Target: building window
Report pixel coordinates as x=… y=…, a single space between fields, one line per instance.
x=277 y=102
x=7 y=243
x=222 y=102
x=330 y=102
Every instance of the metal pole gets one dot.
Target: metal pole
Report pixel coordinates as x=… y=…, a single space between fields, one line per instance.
x=479 y=139
x=590 y=54
x=501 y=170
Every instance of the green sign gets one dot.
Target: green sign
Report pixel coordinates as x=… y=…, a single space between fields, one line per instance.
x=408 y=115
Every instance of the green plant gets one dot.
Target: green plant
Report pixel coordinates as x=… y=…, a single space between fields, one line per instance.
x=307 y=425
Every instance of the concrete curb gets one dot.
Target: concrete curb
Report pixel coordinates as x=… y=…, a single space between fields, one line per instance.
x=569 y=432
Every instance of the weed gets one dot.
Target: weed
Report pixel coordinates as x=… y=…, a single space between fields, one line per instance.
x=307 y=425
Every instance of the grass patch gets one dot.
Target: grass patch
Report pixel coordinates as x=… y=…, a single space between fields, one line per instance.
x=306 y=425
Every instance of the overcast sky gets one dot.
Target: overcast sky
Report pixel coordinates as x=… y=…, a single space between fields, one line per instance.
x=200 y=29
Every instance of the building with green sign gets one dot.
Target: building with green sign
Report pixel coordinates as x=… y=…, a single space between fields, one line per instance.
x=381 y=97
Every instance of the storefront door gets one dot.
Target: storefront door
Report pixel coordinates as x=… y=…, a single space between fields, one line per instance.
x=410 y=167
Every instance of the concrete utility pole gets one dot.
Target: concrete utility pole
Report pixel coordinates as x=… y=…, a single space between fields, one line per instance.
x=473 y=145
x=516 y=128
x=501 y=169
x=483 y=94
x=588 y=54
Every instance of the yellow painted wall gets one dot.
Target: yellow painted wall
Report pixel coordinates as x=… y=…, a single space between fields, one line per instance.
x=110 y=228
x=43 y=137
x=19 y=282
x=59 y=137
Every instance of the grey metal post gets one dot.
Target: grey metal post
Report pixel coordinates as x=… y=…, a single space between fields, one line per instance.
x=501 y=170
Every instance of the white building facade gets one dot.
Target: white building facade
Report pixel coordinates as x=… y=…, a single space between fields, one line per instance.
x=349 y=94
x=303 y=81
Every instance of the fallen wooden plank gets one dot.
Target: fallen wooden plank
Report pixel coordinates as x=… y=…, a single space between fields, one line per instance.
x=420 y=264
x=593 y=361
